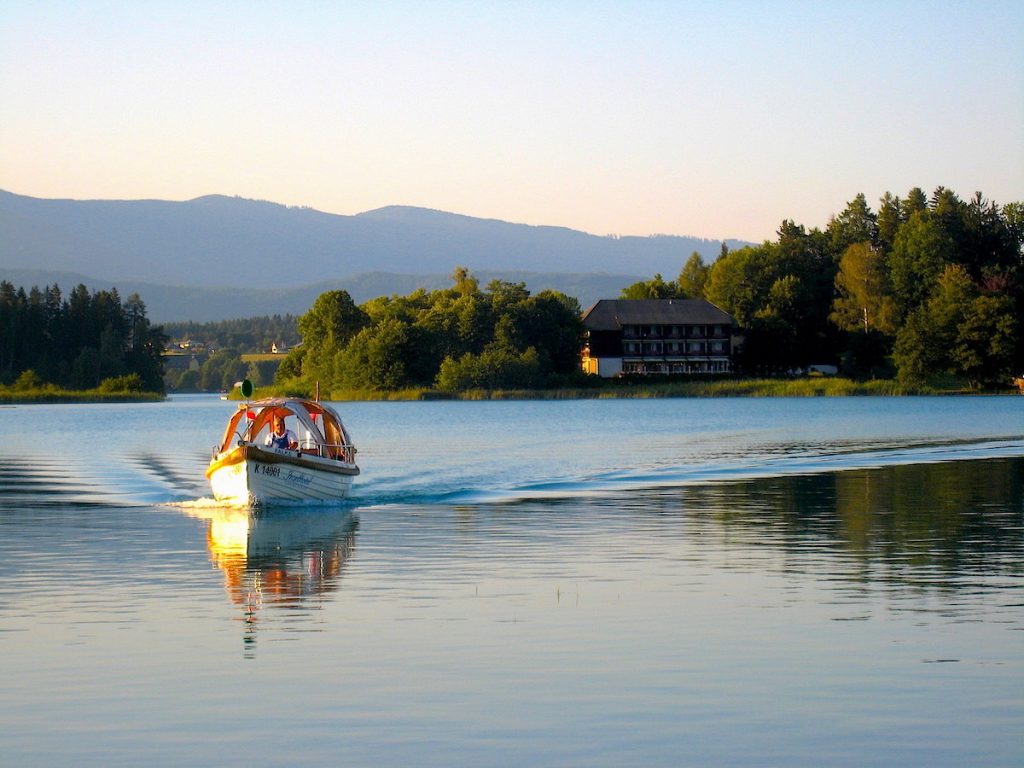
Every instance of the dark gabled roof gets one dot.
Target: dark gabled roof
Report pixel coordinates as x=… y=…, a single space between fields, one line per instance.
x=612 y=314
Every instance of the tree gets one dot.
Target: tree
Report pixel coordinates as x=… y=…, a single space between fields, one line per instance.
x=86 y=369
x=920 y=252
x=925 y=341
x=864 y=301
x=505 y=294
x=465 y=283
x=739 y=282
x=889 y=220
x=496 y=367
x=375 y=358
x=326 y=328
x=656 y=288
x=550 y=323
x=986 y=341
x=948 y=212
x=291 y=366
x=132 y=382
x=917 y=350
x=1013 y=216
x=262 y=372
x=960 y=331
x=694 y=276
x=28 y=380
x=915 y=202
x=988 y=246
x=146 y=344
x=856 y=224
x=474 y=321
x=221 y=370
x=188 y=380
x=808 y=257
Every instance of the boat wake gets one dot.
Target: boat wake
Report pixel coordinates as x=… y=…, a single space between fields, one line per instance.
x=140 y=479
x=774 y=461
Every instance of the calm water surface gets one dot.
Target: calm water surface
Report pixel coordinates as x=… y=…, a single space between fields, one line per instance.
x=665 y=582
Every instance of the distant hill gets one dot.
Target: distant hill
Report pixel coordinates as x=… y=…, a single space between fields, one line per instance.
x=172 y=303
x=247 y=246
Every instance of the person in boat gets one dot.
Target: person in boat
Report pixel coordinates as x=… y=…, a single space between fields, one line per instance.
x=281 y=437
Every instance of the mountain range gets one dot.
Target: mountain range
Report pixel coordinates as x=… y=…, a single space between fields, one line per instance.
x=220 y=257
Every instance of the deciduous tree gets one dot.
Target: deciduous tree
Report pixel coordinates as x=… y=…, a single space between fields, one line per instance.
x=864 y=302
x=694 y=276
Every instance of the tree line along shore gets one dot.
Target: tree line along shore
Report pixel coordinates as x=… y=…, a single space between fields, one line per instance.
x=923 y=296
x=88 y=346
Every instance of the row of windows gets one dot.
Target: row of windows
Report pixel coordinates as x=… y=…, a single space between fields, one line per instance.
x=673 y=331
x=674 y=348
x=696 y=366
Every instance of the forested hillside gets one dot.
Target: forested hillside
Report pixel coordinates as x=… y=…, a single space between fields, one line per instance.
x=251 y=334
x=247 y=245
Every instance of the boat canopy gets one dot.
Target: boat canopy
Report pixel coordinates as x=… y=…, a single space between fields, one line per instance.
x=322 y=429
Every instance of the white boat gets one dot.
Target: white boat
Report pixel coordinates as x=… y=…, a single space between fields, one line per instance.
x=318 y=465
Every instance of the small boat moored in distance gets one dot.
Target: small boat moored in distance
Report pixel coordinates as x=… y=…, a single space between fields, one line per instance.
x=259 y=461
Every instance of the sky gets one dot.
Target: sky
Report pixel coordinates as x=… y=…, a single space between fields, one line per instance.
x=715 y=119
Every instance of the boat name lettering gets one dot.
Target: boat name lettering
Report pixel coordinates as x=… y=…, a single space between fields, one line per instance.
x=266 y=469
x=298 y=478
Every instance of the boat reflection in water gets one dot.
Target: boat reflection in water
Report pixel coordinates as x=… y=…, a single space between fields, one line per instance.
x=278 y=558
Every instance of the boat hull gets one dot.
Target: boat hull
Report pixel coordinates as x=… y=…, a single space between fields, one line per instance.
x=250 y=475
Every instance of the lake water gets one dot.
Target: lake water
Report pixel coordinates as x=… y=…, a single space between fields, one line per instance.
x=781 y=582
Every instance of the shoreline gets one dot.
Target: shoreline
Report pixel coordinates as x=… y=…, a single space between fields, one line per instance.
x=764 y=388
x=810 y=387
x=71 y=396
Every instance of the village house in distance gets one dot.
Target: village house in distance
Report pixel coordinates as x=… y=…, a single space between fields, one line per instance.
x=656 y=336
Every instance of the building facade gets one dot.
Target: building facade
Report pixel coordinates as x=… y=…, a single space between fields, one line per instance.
x=656 y=336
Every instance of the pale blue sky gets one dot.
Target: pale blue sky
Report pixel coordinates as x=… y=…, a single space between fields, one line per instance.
x=716 y=119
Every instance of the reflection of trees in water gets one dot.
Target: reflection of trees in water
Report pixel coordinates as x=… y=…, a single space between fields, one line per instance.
x=958 y=517
x=956 y=514
x=280 y=559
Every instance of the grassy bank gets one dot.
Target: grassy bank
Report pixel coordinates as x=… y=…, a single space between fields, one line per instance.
x=803 y=387
x=54 y=395
x=736 y=388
